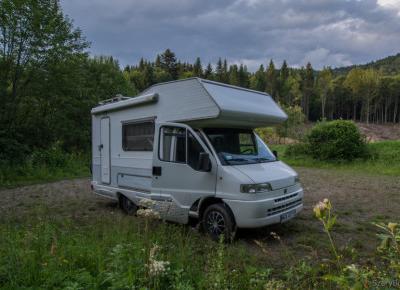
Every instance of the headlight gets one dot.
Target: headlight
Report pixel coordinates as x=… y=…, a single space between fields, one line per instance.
x=297 y=179
x=255 y=188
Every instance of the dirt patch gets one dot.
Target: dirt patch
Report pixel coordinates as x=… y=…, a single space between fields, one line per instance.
x=375 y=132
x=358 y=201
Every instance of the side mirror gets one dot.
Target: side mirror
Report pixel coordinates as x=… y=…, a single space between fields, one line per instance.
x=204 y=162
x=275 y=153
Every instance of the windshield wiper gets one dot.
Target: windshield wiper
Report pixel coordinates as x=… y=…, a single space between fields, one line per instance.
x=236 y=159
x=263 y=159
x=233 y=160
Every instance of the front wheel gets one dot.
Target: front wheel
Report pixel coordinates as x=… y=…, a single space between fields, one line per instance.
x=128 y=206
x=218 y=222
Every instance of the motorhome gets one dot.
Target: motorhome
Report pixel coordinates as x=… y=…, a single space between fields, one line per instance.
x=190 y=146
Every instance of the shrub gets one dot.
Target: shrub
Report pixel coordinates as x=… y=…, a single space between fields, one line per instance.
x=296 y=149
x=336 y=140
x=51 y=157
x=11 y=150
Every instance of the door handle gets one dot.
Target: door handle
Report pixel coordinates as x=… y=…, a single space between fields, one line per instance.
x=157 y=170
x=100 y=147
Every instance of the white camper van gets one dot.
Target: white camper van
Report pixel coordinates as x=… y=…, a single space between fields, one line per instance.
x=189 y=145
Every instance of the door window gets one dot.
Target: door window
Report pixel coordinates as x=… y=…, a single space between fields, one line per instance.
x=194 y=150
x=179 y=145
x=173 y=144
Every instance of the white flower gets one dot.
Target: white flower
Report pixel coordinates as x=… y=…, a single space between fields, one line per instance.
x=275 y=235
x=156 y=267
x=145 y=202
x=320 y=208
x=148 y=213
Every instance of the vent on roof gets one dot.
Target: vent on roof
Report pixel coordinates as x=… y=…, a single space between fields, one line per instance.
x=116 y=99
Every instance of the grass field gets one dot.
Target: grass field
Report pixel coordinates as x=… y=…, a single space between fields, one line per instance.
x=61 y=236
x=71 y=166
x=385 y=160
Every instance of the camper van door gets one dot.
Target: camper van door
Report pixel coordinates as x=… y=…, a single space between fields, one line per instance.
x=177 y=172
x=105 y=149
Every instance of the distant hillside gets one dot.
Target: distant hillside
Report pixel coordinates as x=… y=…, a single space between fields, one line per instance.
x=389 y=65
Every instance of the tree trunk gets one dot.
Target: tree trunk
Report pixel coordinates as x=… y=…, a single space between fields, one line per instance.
x=386 y=111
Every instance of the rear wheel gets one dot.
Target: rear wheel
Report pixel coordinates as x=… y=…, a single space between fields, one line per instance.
x=218 y=222
x=128 y=206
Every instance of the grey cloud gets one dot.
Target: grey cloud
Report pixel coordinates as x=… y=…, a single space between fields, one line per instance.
x=333 y=33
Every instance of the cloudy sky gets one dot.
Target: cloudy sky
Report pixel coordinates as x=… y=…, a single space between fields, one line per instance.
x=324 y=32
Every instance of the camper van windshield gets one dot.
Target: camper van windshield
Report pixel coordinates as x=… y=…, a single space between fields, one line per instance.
x=238 y=146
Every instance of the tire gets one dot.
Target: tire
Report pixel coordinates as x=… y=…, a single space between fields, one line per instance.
x=217 y=221
x=128 y=206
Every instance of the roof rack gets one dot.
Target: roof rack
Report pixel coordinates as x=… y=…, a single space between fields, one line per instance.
x=117 y=98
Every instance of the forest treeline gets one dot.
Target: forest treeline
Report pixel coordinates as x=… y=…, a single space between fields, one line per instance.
x=366 y=95
x=49 y=82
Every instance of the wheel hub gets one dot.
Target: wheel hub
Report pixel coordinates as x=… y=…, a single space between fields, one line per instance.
x=215 y=223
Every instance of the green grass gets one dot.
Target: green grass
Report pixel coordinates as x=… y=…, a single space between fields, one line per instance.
x=112 y=252
x=40 y=249
x=385 y=160
x=72 y=166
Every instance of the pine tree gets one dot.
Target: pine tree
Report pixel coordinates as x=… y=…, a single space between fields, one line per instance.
x=234 y=75
x=225 y=76
x=208 y=73
x=243 y=76
x=219 y=71
x=258 y=80
x=148 y=75
x=197 y=68
x=158 y=61
x=271 y=80
x=168 y=63
x=282 y=82
x=308 y=88
x=142 y=64
x=284 y=72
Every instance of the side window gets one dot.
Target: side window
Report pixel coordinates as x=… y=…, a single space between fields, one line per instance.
x=246 y=143
x=194 y=150
x=138 y=136
x=173 y=144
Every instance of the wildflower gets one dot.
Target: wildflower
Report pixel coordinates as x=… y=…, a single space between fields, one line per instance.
x=148 y=213
x=392 y=226
x=156 y=267
x=145 y=202
x=275 y=236
x=319 y=209
x=153 y=251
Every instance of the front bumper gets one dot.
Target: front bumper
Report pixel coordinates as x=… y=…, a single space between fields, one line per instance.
x=259 y=213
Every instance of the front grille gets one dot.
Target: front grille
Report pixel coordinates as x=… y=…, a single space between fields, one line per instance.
x=285 y=197
x=284 y=207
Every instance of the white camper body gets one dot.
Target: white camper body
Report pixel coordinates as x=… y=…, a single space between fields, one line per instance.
x=189 y=146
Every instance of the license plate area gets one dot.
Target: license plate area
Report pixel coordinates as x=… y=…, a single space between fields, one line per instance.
x=287 y=215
